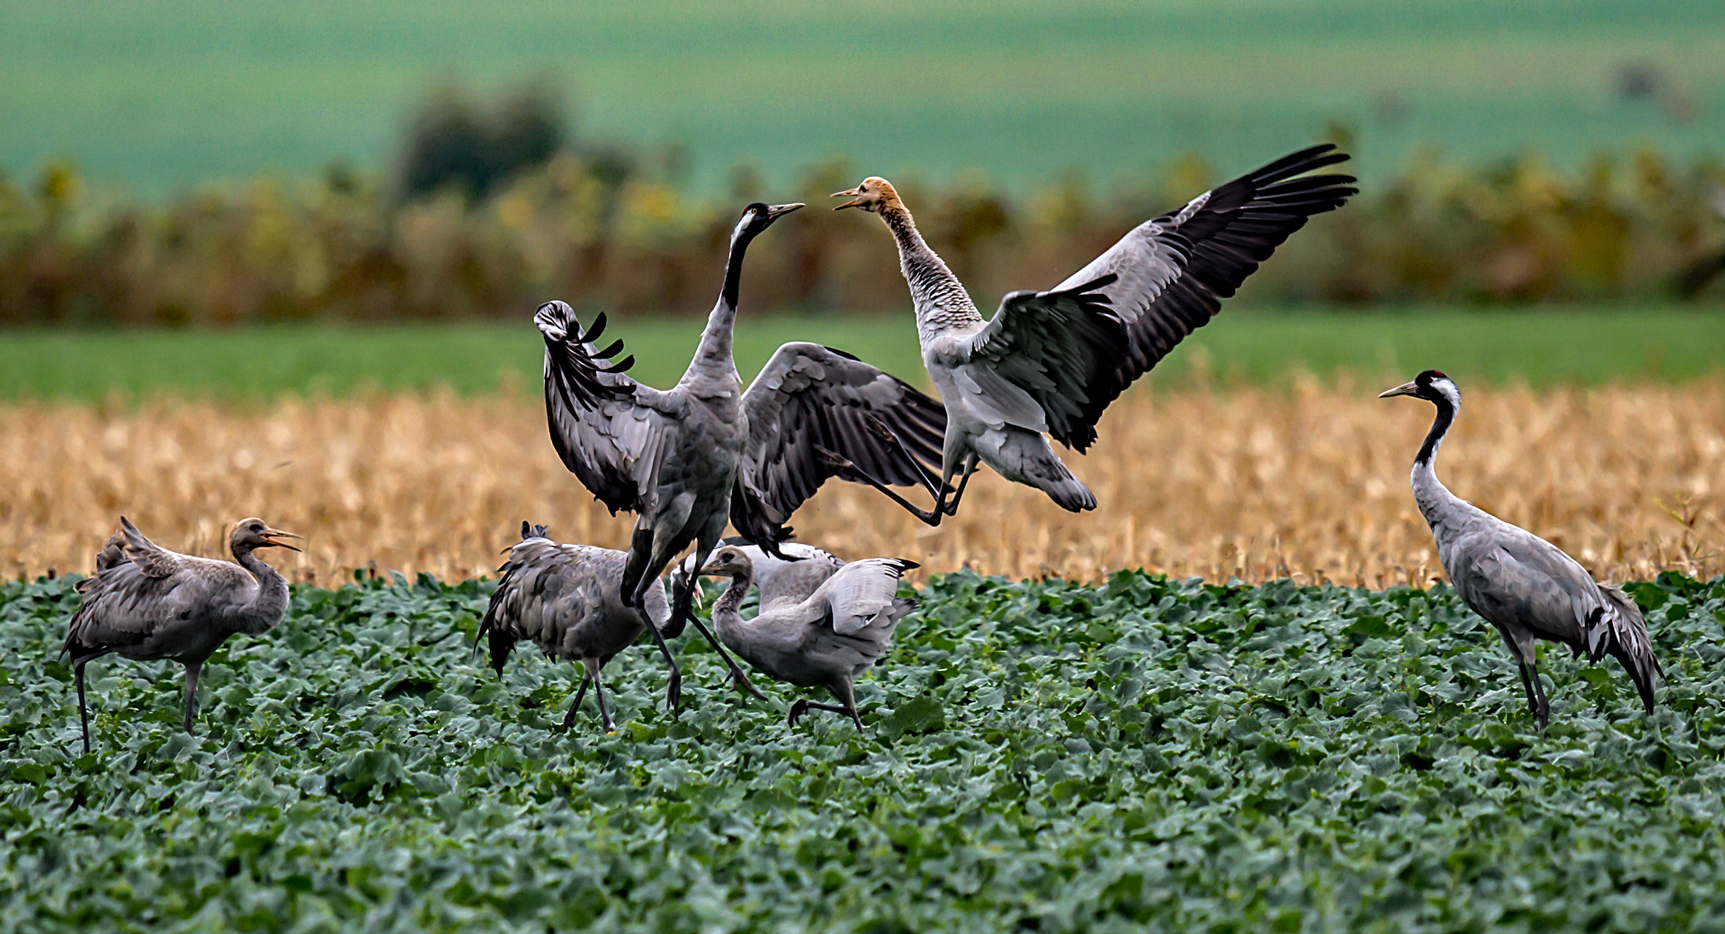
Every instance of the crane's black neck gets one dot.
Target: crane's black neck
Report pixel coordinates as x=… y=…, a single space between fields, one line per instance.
x=1440 y=427
x=734 y=267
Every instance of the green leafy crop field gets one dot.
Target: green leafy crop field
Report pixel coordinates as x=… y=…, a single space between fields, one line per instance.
x=158 y=95
x=1039 y=756
x=1585 y=346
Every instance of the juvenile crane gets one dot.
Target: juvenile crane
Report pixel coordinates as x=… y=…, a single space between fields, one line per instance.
x=828 y=638
x=1521 y=583
x=687 y=459
x=147 y=602
x=775 y=577
x=1051 y=362
x=565 y=599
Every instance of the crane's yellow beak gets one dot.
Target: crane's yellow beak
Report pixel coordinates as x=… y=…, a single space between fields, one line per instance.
x=854 y=193
x=270 y=536
x=1405 y=389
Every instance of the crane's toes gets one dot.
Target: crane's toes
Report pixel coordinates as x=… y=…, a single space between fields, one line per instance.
x=797 y=710
x=674 y=693
x=744 y=684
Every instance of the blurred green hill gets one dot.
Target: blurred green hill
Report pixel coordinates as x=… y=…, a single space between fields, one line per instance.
x=155 y=96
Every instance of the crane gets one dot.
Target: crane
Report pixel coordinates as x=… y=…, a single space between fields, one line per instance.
x=146 y=602
x=1520 y=583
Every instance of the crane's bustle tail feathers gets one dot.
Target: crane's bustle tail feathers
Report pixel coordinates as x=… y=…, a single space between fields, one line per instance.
x=1628 y=642
x=1068 y=492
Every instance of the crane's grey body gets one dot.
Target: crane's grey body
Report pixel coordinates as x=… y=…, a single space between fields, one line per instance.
x=777 y=579
x=1526 y=587
x=1049 y=363
x=827 y=638
x=566 y=599
x=689 y=459
x=146 y=602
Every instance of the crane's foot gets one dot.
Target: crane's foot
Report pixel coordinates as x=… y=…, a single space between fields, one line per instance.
x=674 y=693
x=797 y=710
x=742 y=683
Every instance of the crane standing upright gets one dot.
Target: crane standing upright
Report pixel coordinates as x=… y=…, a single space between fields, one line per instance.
x=147 y=602
x=1520 y=583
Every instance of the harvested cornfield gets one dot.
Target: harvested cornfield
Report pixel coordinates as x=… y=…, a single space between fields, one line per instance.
x=1305 y=481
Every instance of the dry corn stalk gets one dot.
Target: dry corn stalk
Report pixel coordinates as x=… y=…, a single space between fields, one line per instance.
x=1308 y=482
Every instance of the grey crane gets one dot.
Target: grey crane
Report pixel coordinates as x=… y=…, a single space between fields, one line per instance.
x=828 y=638
x=792 y=575
x=686 y=459
x=1051 y=362
x=566 y=600
x=146 y=602
x=1520 y=583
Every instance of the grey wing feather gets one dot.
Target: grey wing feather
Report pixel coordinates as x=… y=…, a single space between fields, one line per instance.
x=1174 y=270
x=125 y=606
x=1061 y=349
x=1517 y=578
x=548 y=588
x=607 y=428
x=852 y=616
x=810 y=399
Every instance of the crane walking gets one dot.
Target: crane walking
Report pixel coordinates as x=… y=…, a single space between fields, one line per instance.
x=566 y=600
x=147 y=602
x=1520 y=583
x=1049 y=363
x=688 y=459
x=827 y=637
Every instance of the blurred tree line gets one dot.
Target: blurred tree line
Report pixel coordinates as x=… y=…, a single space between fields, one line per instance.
x=493 y=210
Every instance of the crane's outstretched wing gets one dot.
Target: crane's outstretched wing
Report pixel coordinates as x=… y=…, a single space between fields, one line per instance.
x=603 y=424
x=1047 y=360
x=811 y=401
x=1173 y=271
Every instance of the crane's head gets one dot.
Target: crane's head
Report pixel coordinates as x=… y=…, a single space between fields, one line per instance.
x=872 y=195
x=1432 y=386
x=252 y=534
x=728 y=561
x=758 y=217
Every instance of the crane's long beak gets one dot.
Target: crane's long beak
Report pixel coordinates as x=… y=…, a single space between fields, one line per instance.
x=270 y=535
x=1405 y=389
x=778 y=210
x=854 y=193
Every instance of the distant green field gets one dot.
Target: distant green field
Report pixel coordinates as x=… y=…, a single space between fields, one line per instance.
x=157 y=95
x=1539 y=347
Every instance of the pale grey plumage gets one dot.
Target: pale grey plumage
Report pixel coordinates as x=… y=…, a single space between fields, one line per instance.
x=689 y=459
x=566 y=600
x=1049 y=363
x=146 y=602
x=777 y=579
x=829 y=638
x=1522 y=584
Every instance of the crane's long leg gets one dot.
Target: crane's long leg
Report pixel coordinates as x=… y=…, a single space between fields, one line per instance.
x=1544 y=711
x=804 y=705
x=931 y=517
x=574 y=705
x=1527 y=685
x=192 y=671
x=964 y=481
x=599 y=692
x=83 y=716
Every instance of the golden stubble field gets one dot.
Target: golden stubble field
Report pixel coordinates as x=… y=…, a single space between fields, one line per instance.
x=1305 y=481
